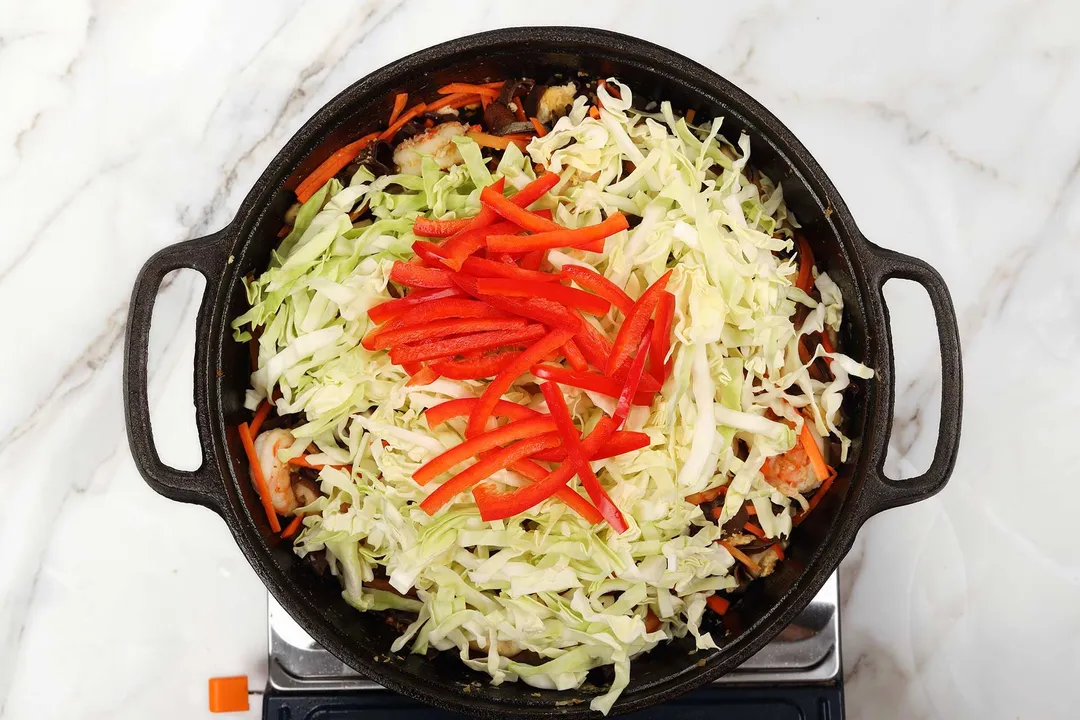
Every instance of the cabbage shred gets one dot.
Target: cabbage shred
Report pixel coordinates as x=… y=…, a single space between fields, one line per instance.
x=576 y=595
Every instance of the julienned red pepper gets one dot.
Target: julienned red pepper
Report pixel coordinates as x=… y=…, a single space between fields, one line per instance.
x=587 y=381
x=425 y=227
x=570 y=297
x=423 y=376
x=517 y=430
x=515 y=214
x=502 y=382
x=547 y=312
x=485 y=468
x=464 y=244
x=578 y=458
x=574 y=357
x=635 y=323
x=438 y=414
x=597 y=283
x=633 y=378
x=452 y=307
x=556 y=237
x=578 y=504
x=448 y=347
x=474 y=368
x=444 y=328
x=420 y=276
x=533 y=260
x=523 y=199
x=661 y=342
x=393 y=308
x=621 y=442
x=431 y=254
x=481 y=267
x=594 y=344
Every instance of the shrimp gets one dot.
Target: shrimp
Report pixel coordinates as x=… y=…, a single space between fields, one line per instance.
x=792 y=473
x=438 y=142
x=278 y=475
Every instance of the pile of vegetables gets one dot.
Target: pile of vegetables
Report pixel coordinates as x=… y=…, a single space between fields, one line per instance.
x=537 y=388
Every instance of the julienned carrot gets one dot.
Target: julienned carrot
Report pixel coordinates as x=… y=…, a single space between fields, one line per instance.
x=292 y=527
x=331 y=167
x=541 y=131
x=498 y=142
x=400 y=100
x=261 y=487
x=690 y=114
x=753 y=529
x=741 y=557
x=460 y=87
x=821 y=491
x=594 y=113
x=718 y=604
x=778 y=550
x=805 y=280
x=706 y=495
x=408 y=115
x=260 y=418
x=471 y=448
x=455 y=101
x=563 y=237
x=821 y=469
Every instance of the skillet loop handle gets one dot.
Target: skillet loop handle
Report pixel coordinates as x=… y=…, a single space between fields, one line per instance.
x=207 y=256
x=883 y=493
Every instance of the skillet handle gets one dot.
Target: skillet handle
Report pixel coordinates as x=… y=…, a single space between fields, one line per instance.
x=882 y=493
x=207 y=256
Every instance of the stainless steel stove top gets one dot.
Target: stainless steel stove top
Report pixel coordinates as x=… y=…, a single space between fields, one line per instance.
x=807 y=652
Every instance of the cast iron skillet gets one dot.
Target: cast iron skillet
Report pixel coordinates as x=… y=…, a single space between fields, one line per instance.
x=221 y=368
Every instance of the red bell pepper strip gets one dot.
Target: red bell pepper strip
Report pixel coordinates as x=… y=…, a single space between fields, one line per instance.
x=432 y=255
x=438 y=414
x=515 y=213
x=587 y=381
x=481 y=267
x=393 y=308
x=594 y=344
x=661 y=340
x=570 y=297
x=633 y=379
x=496 y=505
x=523 y=199
x=502 y=382
x=635 y=323
x=443 y=328
x=648 y=382
x=425 y=227
x=621 y=442
x=556 y=238
x=461 y=246
x=420 y=276
x=574 y=356
x=500 y=436
x=578 y=504
x=432 y=311
x=547 y=312
x=597 y=283
x=596 y=246
x=448 y=347
x=805 y=279
x=579 y=459
x=533 y=260
x=485 y=468
x=474 y=368
x=424 y=376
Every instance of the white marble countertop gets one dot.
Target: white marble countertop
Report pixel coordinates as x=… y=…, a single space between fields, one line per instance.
x=949 y=128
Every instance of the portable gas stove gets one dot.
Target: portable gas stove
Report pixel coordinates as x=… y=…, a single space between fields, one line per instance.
x=798 y=676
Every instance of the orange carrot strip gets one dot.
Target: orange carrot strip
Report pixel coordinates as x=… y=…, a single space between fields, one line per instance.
x=261 y=487
x=541 y=131
x=741 y=556
x=779 y=550
x=821 y=470
x=457 y=100
x=260 y=418
x=751 y=510
x=805 y=279
x=753 y=530
x=706 y=495
x=594 y=113
x=399 y=104
x=814 y=501
x=690 y=116
x=409 y=114
x=292 y=527
x=519 y=112
x=460 y=87
x=331 y=167
x=718 y=604
x=498 y=142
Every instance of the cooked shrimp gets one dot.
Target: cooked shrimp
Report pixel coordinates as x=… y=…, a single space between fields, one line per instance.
x=792 y=472
x=278 y=475
x=554 y=101
x=438 y=142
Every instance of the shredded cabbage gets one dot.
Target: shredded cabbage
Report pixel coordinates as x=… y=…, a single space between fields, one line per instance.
x=576 y=595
